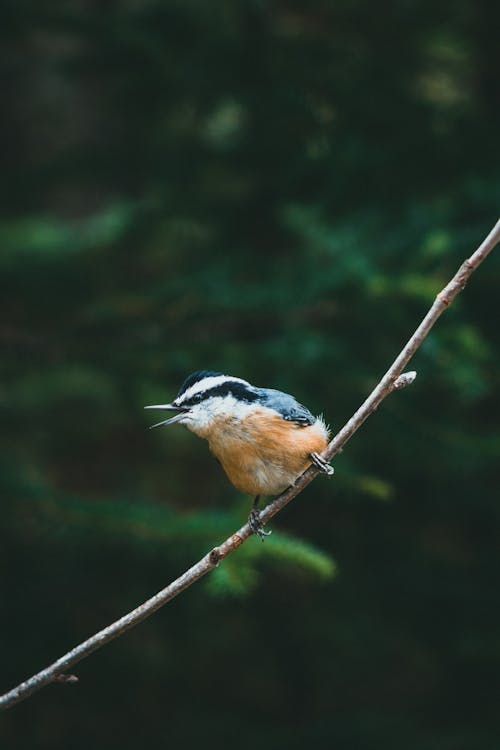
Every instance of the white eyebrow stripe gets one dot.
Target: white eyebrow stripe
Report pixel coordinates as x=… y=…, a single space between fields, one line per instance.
x=211 y=382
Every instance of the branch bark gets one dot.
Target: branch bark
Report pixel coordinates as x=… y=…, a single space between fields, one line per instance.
x=391 y=381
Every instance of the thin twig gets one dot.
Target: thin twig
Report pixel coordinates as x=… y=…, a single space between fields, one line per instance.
x=392 y=380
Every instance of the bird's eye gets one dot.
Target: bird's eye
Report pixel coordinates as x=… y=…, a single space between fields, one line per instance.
x=194 y=399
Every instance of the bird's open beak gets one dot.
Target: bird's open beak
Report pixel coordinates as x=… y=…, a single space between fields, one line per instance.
x=169 y=407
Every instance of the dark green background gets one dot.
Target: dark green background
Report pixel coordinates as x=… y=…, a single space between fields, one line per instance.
x=276 y=190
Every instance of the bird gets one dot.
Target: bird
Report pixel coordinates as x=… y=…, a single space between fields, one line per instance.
x=263 y=438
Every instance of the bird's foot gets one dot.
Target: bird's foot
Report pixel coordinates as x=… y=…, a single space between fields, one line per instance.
x=321 y=464
x=256 y=524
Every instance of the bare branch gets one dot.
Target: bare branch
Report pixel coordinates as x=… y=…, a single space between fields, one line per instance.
x=394 y=379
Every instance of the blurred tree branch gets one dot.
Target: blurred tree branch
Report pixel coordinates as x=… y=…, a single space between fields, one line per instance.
x=392 y=380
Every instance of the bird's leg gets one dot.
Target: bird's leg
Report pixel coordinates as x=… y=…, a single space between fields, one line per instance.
x=321 y=464
x=254 y=520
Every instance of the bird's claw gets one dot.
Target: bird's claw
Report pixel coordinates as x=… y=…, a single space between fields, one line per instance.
x=321 y=464
x=256 y=524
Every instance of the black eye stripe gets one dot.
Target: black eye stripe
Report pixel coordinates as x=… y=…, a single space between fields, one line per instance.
x=240 y=391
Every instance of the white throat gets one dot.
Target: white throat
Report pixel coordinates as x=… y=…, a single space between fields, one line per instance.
x=202 y=417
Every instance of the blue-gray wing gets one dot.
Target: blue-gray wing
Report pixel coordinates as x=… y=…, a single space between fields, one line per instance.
x=287 y=406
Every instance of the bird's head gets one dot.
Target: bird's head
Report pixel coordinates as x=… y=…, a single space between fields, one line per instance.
x=206 y=397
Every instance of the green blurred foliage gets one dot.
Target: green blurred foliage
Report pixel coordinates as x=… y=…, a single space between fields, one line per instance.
x=278 y=191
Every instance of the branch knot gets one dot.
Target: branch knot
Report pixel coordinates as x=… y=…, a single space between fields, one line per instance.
x=214 y=556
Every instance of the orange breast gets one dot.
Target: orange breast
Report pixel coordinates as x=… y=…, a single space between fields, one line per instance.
x=263 y=454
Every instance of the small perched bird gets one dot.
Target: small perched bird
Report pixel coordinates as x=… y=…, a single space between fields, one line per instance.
x=263 y=438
